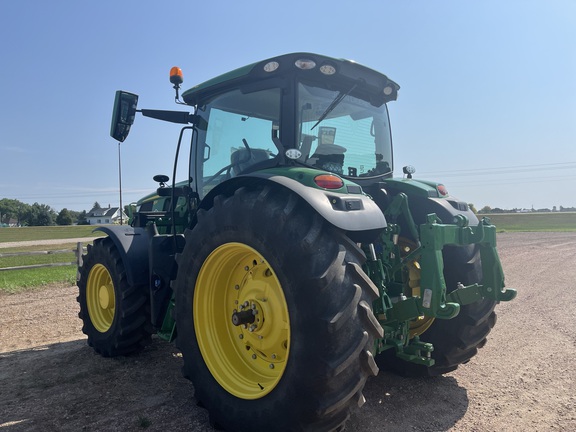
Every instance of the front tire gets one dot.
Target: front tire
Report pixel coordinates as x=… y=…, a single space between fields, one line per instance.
x=116 y=315
x=304 y=359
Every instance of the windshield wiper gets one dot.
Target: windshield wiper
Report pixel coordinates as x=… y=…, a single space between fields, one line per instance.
x=334 y=104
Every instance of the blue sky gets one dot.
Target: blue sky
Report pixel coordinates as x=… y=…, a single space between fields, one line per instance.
x=487 y=103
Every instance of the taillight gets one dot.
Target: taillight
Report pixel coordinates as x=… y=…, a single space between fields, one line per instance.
x=442 y=190
x=328 y=181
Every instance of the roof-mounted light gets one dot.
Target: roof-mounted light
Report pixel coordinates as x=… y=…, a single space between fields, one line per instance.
x=271 y=66
x=388 y=90
x=305 y=64
x=327 y=69
x=176 y=76
x=408 y=170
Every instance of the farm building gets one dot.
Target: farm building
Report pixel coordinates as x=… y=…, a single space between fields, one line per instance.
x=106 y=215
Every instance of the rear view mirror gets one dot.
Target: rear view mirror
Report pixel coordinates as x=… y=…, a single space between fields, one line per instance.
x=123 y=115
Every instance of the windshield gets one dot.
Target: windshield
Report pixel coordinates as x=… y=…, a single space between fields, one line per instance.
x=343 y=134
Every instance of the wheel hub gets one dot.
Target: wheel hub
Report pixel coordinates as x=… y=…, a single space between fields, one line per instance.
x=245 y=340
x=243 y=318
x=100 y=299
x=104 y=296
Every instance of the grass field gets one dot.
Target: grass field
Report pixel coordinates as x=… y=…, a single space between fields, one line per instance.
x=46 y=233
x=17 y=280
x=541 y=222
x=13 y=281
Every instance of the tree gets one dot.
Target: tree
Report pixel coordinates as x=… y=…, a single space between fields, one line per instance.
x=12 y=208
x=39 y=215
x=74 y=215
x=471 y=207
x=8 y=209
x=64 y=217
x=81 y=219
x=96 y=205
x=486 y=209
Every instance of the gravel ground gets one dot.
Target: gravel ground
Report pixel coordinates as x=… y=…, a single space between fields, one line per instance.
x=523 y=379
x=6 y=245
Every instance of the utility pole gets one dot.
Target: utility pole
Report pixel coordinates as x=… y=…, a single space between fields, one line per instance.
x=120 y=182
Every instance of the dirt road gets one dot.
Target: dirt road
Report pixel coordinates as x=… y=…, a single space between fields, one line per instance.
x=522 y=380
x=84 y=240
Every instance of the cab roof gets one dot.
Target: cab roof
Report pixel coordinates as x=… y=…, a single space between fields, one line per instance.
x=309 y=66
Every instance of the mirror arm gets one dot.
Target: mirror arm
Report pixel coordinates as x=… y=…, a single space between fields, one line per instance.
x=181 y=117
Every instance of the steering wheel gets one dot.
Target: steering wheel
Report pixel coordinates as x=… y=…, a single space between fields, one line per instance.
x=228 y=167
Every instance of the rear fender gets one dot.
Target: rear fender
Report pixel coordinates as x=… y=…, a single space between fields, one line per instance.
x=423 y=199
x=353 y=212
x=132 y=244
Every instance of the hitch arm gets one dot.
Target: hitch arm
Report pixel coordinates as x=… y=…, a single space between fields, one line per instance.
x=434 y=237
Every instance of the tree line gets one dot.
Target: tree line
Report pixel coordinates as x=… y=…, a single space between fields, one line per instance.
x=554 y=209
x=22 y=214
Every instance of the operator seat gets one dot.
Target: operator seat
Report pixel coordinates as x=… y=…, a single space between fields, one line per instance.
x=243 y=160
x=329 y=157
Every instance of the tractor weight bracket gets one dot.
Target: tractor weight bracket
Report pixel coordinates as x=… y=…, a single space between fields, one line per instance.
x=435 y=236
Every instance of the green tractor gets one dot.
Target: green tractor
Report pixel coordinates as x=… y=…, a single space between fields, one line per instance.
x=290 y=265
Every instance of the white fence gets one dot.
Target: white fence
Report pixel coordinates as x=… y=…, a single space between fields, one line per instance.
x=78 y=251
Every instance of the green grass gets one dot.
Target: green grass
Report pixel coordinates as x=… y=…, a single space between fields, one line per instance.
x=14 y=281
x=20 y=280
x=14 y=234
x=542 y=222
x=23 y=260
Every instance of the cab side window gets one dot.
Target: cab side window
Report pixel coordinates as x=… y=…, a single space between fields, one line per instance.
x=239 y=134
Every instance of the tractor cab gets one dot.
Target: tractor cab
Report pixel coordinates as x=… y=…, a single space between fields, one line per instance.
x=296 y=110
x=298 y=115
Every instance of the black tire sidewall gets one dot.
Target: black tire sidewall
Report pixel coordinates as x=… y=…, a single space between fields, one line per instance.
x=117 y=340
x=293 y=401
x=98 y=255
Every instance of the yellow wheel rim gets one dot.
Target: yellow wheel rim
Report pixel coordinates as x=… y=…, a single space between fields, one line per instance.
x=100 y=298
x=247 y=359
x=420 y=324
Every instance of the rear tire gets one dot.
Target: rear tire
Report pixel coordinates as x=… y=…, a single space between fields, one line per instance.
x=456 y=340
x=305 y=361
x=116 y=315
